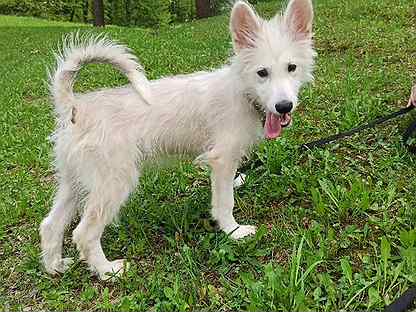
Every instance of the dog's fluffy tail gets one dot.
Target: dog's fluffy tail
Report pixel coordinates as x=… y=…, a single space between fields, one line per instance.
x=79 y=50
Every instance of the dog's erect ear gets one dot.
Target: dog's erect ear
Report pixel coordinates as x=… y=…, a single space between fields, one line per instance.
x=244 y=25
x=298 y=17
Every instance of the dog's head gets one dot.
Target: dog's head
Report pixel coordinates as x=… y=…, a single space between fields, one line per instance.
x=275 y=58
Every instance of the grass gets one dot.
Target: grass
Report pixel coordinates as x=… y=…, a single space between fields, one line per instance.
x=337 y=226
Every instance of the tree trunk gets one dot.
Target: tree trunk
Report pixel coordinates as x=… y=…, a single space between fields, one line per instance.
x=203 y=8
x=99 y=13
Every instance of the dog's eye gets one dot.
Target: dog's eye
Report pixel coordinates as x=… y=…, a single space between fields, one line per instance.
x=263 y=72
x=291 y=68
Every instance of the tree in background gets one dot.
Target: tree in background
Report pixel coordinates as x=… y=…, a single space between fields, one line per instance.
x=144 y=13
x=204 y=8
x=99 y=13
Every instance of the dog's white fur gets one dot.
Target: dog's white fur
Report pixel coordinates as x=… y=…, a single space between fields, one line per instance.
x=104 y=137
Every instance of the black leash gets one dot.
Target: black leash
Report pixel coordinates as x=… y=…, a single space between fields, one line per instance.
x=408 y=134
x=362 y=127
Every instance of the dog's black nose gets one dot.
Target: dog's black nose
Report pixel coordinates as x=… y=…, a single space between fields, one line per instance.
x=284 y=107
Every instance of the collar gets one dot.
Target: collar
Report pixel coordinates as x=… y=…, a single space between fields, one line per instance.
x=255 y=104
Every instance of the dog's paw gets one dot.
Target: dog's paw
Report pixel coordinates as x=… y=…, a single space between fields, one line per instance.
x=243 y=231
x=114 y=268
x=59 y=265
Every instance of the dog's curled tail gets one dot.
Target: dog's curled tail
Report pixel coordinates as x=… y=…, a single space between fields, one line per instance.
x=78 y=50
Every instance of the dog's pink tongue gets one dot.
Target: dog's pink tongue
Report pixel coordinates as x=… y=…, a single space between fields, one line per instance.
x=272 y=126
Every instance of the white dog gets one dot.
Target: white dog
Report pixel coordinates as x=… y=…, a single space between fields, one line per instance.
x=104 y=137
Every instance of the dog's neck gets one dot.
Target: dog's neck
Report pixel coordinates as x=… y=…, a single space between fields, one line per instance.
x=254 y=103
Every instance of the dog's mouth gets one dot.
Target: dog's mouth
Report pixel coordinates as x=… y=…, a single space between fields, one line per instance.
x=274 y=124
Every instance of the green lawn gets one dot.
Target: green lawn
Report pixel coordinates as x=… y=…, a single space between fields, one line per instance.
x=337 y=225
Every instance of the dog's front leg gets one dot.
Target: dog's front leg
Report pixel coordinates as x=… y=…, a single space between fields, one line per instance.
x=222 y=177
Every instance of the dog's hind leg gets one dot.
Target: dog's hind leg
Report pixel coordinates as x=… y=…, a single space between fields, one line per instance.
x=53 y=226
x=102 y=205
x=222 y=178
